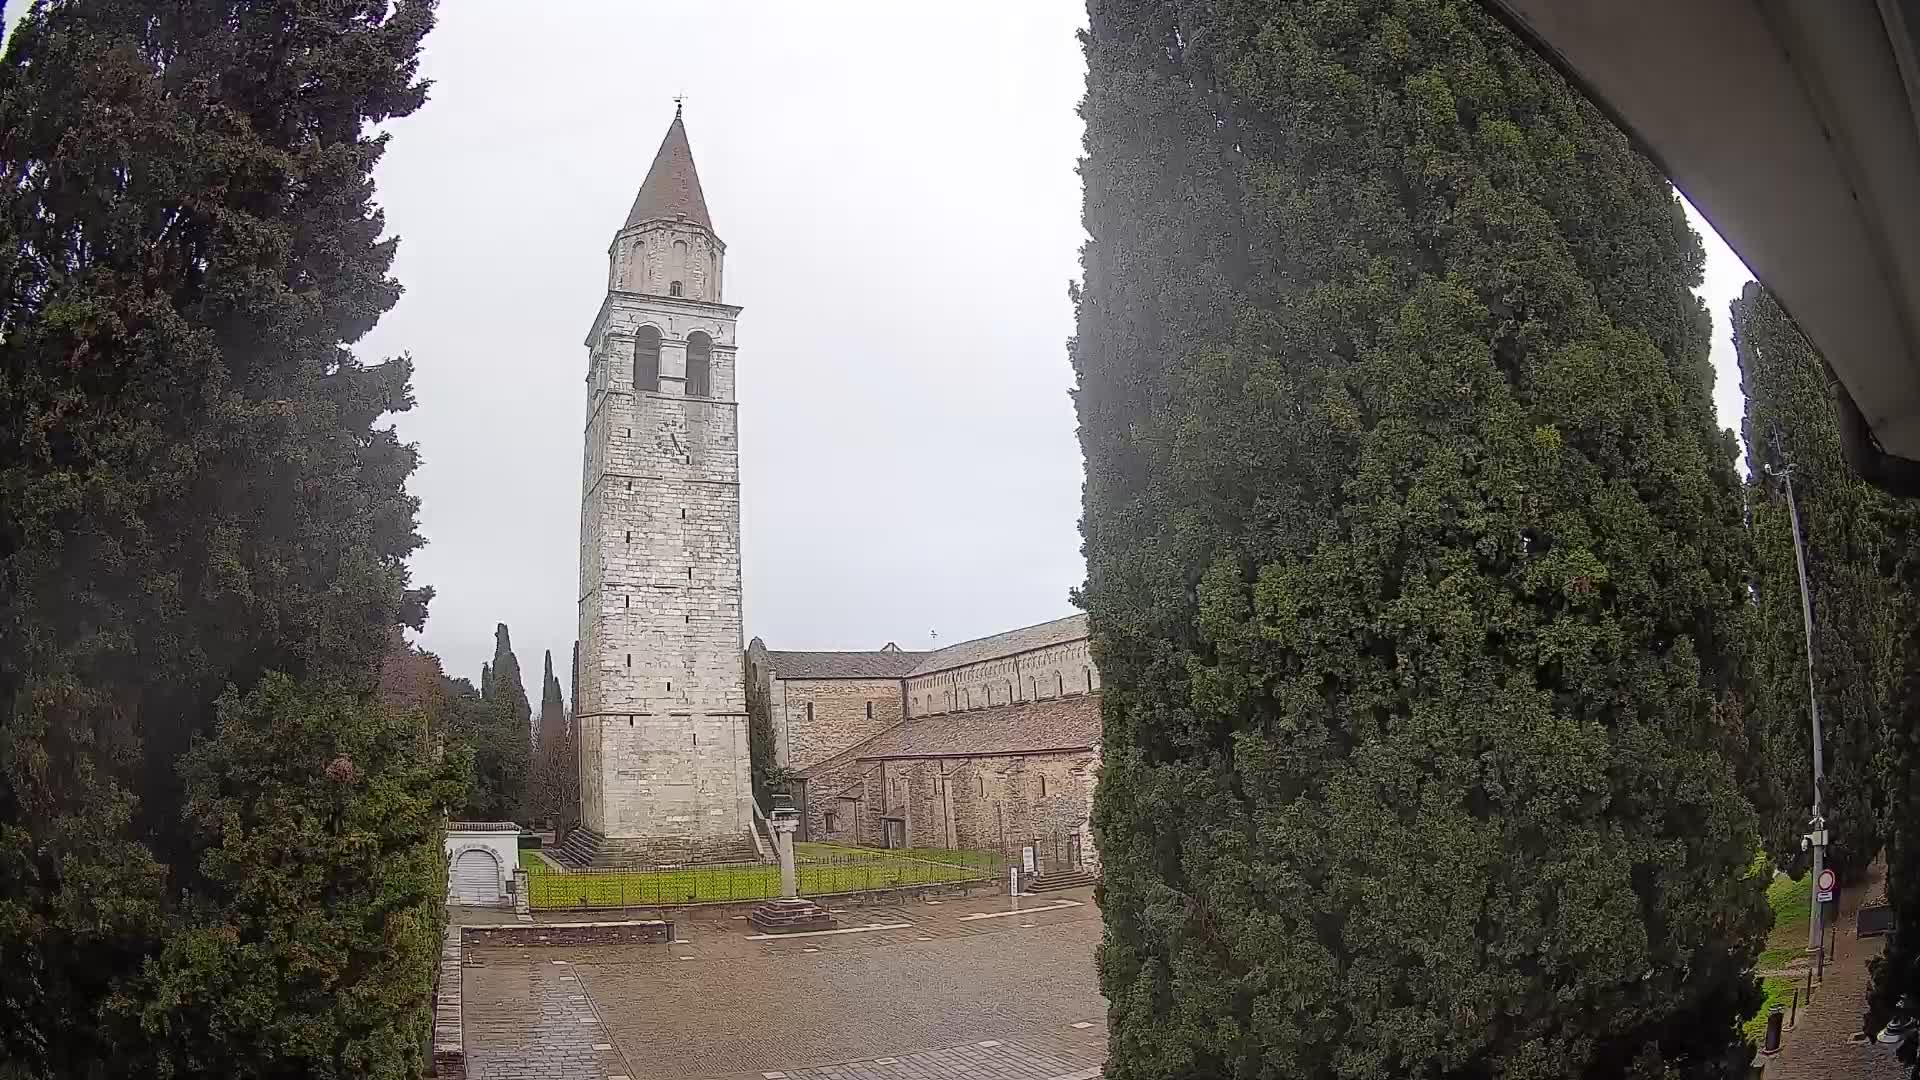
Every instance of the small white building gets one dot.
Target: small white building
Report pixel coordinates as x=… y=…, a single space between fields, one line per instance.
x=481 y=857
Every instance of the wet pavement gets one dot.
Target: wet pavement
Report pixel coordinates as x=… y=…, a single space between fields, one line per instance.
x=984 y=987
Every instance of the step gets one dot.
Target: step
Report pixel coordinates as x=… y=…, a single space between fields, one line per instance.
x=792 y=915
x=587 y=850
x=1055 y=880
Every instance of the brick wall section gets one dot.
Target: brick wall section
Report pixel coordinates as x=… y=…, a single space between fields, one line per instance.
x=449 y=1034
x=814 y=719
x=979 y=803
x=986 y=778
x=634 y=932
x=1055 y=671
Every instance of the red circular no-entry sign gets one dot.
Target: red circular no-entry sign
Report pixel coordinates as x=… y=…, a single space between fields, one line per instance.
x=1826 y=880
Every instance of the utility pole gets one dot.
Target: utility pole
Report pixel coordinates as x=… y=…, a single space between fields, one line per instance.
x=1816 y=841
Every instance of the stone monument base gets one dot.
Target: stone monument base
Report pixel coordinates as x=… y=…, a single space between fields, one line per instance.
x=791 y=915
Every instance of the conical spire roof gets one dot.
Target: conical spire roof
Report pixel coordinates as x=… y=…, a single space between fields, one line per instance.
x=672 y=187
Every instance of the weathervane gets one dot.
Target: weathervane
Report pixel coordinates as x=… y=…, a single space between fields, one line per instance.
x=678 y=100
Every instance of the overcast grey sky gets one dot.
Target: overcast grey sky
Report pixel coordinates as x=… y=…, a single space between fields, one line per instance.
x=896 y=186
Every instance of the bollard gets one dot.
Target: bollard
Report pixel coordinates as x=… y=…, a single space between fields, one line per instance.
x=1793 y=1013
x=1771 y=1046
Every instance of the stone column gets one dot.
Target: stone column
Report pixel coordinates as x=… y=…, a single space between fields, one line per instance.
x=790 y=913
x=783 y=829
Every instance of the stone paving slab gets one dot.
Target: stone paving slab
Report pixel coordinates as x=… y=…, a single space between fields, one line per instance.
x=986 y=1059
x=528 y=1017
x=1017 y=975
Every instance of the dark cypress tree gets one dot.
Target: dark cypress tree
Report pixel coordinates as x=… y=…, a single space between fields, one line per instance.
x=1896 y=972
x=1414 y=561
x=194 y=487
x=310 y=950
x=1790 y=417
x=554 y=785
x=553 y=711
x=513 y=734
x=508 y=691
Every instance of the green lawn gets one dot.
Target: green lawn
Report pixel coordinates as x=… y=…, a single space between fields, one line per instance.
x=1790 y=899
x=1776 y=992
x=1787 y=941
x=831 y=870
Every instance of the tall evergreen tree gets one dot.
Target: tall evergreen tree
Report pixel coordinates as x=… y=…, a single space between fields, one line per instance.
x=194 y=490
x=509 y=693
x=312 y=948
x=553 y=710
x=1414 y=561
x=554 y=786
x=492 y=736
x=1896 y=972
x=1790 y=417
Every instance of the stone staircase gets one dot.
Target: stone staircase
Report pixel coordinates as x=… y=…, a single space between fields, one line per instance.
x=586 y=849
x=1055 y=880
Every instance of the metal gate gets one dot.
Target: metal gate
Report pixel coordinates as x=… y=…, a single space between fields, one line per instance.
x=1058 y=850
x=476 y=878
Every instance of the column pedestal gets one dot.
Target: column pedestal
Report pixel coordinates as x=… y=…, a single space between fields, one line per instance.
x=792 y=913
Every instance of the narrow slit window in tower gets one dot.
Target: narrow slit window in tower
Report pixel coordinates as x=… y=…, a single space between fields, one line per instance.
x=673 y=288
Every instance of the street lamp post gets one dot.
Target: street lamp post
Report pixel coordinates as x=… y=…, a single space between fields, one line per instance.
x=1816 y=840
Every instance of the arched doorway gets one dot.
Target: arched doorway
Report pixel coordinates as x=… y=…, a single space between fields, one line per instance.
x=476 y=877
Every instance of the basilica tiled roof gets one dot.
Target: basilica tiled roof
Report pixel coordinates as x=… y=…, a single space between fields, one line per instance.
x=1025 y=639
x=1055 y=725
x=877 y=664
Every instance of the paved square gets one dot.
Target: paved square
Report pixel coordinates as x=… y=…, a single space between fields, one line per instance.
x=944 y=996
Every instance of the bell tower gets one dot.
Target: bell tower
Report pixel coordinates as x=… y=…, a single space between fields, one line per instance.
x=662 y=711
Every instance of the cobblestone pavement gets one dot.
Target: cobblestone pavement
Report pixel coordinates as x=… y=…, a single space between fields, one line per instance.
x=1821 y=1045
x=953 y=989
x=997 y=1059
x=535 y=1020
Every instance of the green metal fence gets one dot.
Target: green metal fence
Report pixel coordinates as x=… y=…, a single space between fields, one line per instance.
x=822 y=869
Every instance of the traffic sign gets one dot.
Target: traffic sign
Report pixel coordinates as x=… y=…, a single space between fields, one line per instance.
x=1823 y=889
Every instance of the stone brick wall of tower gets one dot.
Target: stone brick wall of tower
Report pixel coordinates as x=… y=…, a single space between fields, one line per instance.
x=1066 y=668
x=814 y=719
x=662 y=705
x=645 y=260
